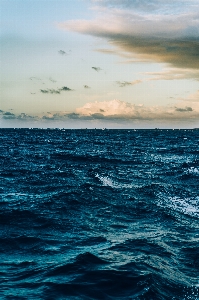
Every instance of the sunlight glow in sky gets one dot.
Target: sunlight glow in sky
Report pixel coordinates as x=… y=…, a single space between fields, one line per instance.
x=99 y=63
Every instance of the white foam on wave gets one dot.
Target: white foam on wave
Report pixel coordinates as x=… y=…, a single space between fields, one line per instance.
x=186 y=206
x=106 y=181
x=194 y=171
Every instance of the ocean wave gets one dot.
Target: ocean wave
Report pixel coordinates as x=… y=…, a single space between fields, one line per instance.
x=107 y=181
x=186 y=206
x=92 y=214
x=193 y=171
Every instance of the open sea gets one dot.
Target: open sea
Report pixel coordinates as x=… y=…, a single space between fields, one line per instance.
x=99 y=214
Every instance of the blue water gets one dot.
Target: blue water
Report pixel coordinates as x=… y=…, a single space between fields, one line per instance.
x=99 y=214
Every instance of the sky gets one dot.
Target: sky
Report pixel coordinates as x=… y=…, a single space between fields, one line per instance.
x=99 y=63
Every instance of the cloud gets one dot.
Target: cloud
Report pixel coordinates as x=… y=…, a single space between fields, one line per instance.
x=48 y=118
x=50 y=91
x=57 y=116
x=39 y=79
x=127 y=83
x=145 y=5
x=174 y=74
x=25 y=117
x=116 y=109
x=53 y=91
x=65 y=88
x=110 y=114
x=107 y=51
x=21 y=117
x=96 y=69
x=73 y=116
x=8 y=115
x=187 y=108
x=171 y=38
x=86 y=87
x=62 y=52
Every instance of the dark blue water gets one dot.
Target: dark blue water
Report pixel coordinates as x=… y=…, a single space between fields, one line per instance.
x=99 y=214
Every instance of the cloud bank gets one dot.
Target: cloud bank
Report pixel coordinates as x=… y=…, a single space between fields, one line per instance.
x=110 y=114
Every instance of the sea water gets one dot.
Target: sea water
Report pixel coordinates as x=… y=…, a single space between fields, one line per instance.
x=99 y=214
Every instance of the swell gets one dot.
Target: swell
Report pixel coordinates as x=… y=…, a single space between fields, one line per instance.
x=91 y=277
x=99 y=214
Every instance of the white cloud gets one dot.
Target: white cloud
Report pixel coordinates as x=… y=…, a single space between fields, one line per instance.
x=174 y=74
x=107 y=108
x=131 y=23
x=116 y=109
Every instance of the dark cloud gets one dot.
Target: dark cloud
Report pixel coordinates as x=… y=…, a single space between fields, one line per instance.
x=62 y=52
x=97 y=116
x=126 y=83
x=7 y=115
x=48 y=118
x=65 y=88
x=60 y=116
x=187 y=108
x=20 y=117
x=53 y=91
x=25 y=117
x=96 y=69
x=176 y=52
x=86 y=87
x=50 y=91
x=73 y=116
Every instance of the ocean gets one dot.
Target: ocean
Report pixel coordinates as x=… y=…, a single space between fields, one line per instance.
x=99 y=214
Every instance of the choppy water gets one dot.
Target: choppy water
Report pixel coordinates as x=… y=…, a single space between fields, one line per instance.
x=99 y=214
